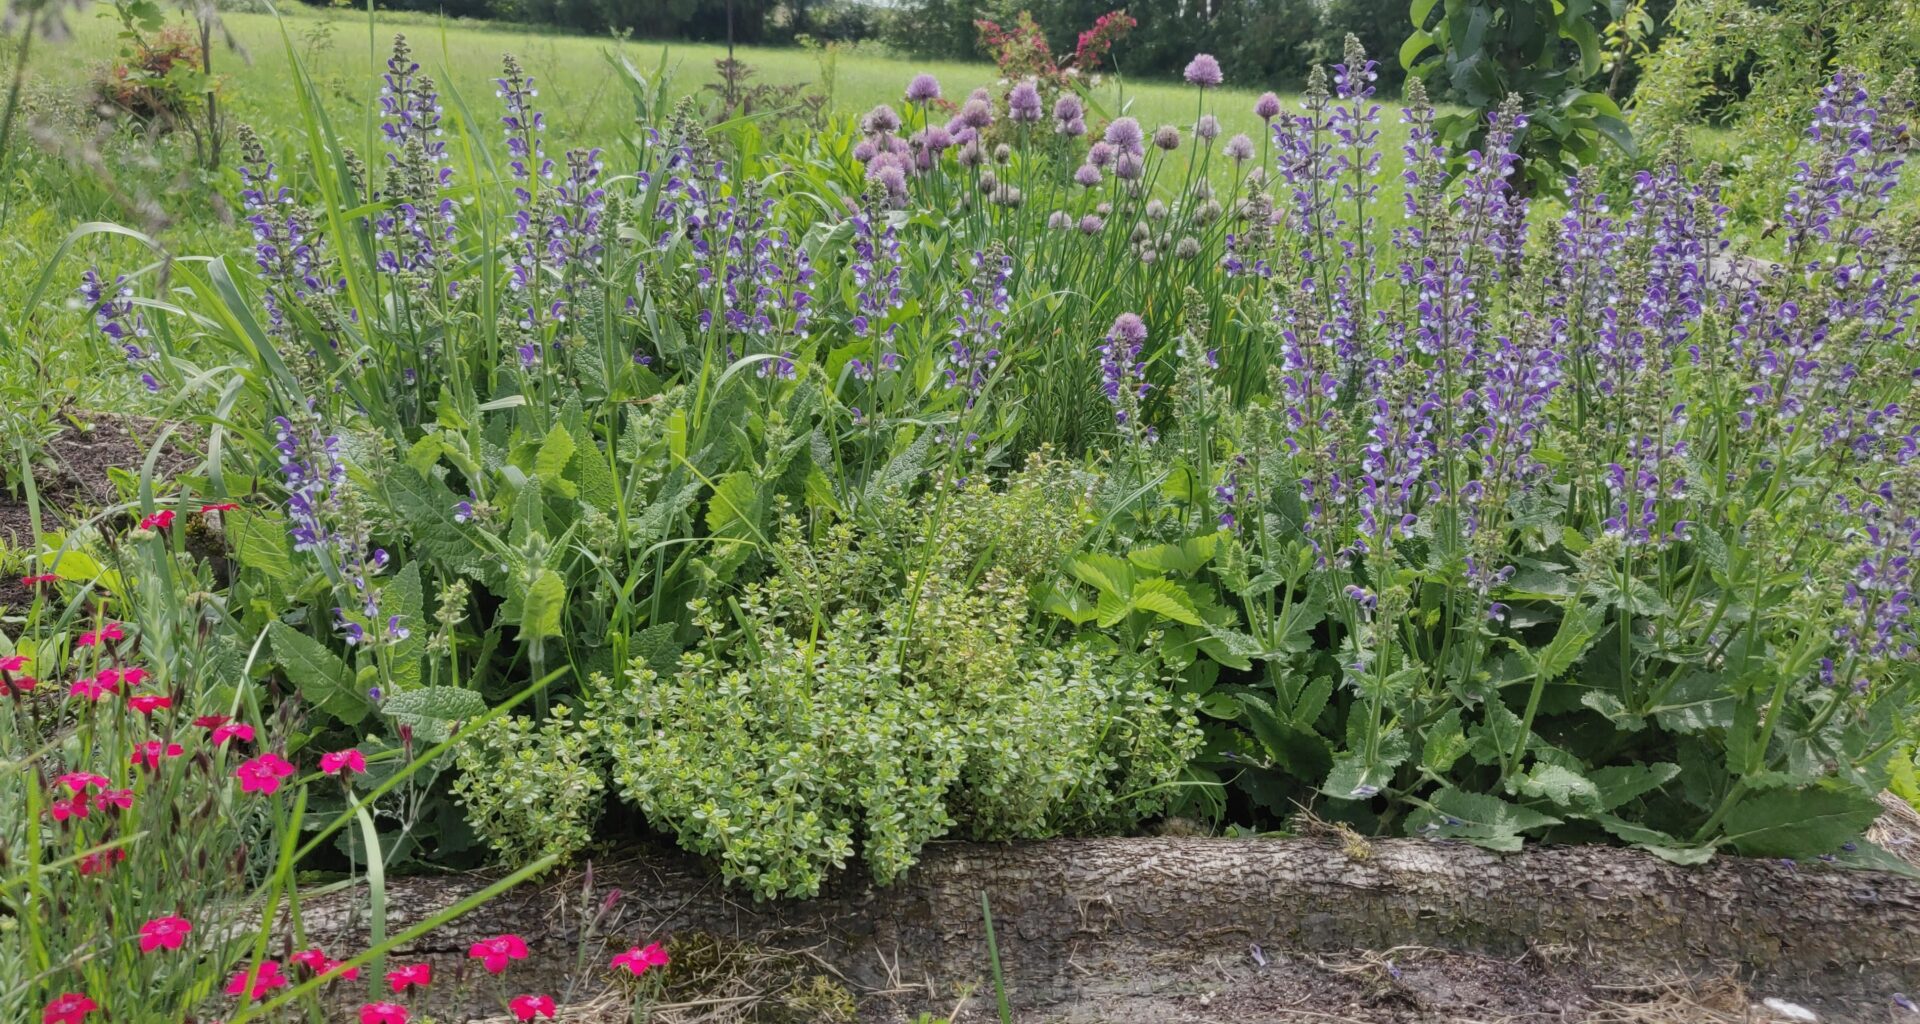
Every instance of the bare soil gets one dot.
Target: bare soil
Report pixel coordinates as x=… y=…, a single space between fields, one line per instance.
x=73 y=476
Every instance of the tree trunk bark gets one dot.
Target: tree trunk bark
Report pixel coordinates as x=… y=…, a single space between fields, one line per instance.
x=1069 y=912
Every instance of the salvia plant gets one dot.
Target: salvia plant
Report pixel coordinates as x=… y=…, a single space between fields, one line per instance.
x=1312 y=465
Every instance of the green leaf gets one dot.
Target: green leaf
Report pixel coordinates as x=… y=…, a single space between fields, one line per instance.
x=1560 y=786
x=1481 y=819
x=542 y=608
x=819 y=491
x=1185 y=557
x=734 y=510
x=1298 y=752
x=1698 y=702
x=1616 y=131
x=1165 y=598
x=1292 y=630
x=427 y=507
x=1798 y=823
x=1654 y=841
x=550 y=464
x=658 y=647
x=319 y=675
x=597 y=486
x=1610 y=706
x=529 y=514
x=1584 y=35
x=1103 y=572
x=1417 y=43
x=433 y=712
x=1536 y=582
x=1353 y=777
x=1620 y=784
x=1419 y=11
x=1070 y=604
x=1446 y=743
x=425 y=452
x=652 y=522
x=404 y=597
x=1495 y=737
x=903 y=469
x=1873 y=857
x=1578 y=629
x=260 y=544
x=1230 y=647
x=1111 y=609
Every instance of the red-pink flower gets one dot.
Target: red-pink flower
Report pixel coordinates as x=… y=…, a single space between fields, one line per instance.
x=410 y=976
x=350 y=760
x=264 y=980
x=494 y=953
x=152 y=752
x=98 y=687
x=263 y=773
x=121 y=798
x=80 y=782
x=13 y=663
x=317 y=961
x=20 y=685
x=69 y=1008
x=383 y=1013
x=64 y=809
x=100 y=863
x=148 y=703
x=34 y=581
x=225 y=506
x=237 y=731
x=133 y=676
x=158 y=521
x=528 y=1007
x=638 y=961
x=330 y=966
x=111 y=631
x=211 y=721
x=164 y=933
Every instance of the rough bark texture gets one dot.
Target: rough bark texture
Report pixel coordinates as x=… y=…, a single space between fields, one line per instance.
x=1078 y=914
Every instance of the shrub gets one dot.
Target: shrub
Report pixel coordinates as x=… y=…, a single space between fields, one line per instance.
x=1748 y=68
x=154 y=79
x=531 y=791
x=820 y=731
x=1541 y=54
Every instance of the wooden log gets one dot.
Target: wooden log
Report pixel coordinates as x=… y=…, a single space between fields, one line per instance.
x=1071 y=912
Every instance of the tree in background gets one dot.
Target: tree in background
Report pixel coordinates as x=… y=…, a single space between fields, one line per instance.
x=704 y=20
x=1746 y=65
x=1546 y=53
x=1268 y=43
